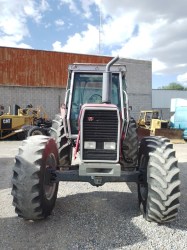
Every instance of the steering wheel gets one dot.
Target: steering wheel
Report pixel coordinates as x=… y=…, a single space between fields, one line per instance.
x=95 y=98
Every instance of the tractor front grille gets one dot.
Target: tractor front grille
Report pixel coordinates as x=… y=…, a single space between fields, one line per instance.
x=100 y=126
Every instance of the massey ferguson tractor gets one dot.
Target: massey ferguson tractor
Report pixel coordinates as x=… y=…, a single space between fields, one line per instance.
x=95 y=127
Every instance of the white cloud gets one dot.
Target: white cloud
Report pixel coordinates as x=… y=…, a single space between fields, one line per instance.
x=71 y=4
x=182 y=78
x=86 y=6
x=157 y=66
x=84 y=9
x=85 y=42
x=141 y=44
x=13 y=20
x=181 y=65
x=117 y=31
x=134 y=29
x=47 y=25
x=30 y=11
x=44 y=6
x=138 y=45
x=13 y=41
x=161 y=31
x=34 y=10
x=88 y=41
x=57 y=46
x=59 y=22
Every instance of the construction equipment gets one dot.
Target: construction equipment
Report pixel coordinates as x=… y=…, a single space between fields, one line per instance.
x=95 y=125
x=151 y=123
x=151 y=119
x=179 y=121
x=22 y=121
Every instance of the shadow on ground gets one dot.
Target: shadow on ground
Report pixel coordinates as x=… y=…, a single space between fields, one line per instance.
x=95 y=220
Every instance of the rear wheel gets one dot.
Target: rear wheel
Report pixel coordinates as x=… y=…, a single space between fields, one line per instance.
x=36 y=131
x=159 y=194
x=64 y=146
x=33 y=196
x=130 y=147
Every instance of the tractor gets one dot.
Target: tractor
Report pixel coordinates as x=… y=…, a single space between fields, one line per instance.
x=94 y=125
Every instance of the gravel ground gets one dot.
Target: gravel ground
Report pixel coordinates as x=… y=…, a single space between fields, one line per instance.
x=87 y=217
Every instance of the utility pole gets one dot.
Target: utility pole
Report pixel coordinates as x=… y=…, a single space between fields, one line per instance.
x=100 y=29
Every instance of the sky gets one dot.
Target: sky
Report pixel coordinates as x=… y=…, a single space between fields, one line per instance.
x=147 y=30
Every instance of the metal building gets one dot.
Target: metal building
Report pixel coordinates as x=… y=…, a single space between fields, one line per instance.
x=39 y=77
x=161 y=99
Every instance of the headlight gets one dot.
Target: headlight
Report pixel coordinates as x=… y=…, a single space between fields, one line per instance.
x=110 y=145
x=89 y=145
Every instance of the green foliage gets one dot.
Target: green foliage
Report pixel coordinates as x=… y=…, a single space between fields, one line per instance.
x=174 y=86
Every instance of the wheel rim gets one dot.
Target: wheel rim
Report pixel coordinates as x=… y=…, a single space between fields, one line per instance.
x=50 y=164
x=37 y=132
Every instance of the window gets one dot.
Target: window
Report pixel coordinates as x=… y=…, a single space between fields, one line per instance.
x=88 y=89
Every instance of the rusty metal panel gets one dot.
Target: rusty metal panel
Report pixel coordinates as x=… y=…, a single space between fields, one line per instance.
x=142 y=132
x=170 y=133
x=25 y=67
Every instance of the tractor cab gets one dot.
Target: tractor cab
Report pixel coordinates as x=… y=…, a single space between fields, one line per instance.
x=85 y=86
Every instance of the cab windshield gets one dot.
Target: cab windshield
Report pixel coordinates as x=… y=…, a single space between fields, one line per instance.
x=88 y=89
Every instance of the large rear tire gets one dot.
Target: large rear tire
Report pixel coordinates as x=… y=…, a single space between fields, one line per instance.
x=130 y=147
x=159 y=194
x=33 y=197
x=64 y=146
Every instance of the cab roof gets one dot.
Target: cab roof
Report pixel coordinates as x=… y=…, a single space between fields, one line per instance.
x=95 y=67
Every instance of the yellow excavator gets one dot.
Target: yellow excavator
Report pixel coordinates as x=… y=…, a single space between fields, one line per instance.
x=23 y=121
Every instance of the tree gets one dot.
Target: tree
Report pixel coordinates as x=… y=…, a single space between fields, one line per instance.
x=174 y=86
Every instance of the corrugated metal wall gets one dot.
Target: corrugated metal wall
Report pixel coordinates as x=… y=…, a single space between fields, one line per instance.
x=164 y=96
x=25 y=67
x=161 y=99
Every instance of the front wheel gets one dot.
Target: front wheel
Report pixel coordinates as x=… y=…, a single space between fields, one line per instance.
x=130 y=147
x=33 y=197
x=160 y=192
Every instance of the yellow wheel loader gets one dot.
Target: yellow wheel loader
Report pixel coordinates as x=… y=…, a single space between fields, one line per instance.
x=23 y=122
x=151 y=119
x=151 y=123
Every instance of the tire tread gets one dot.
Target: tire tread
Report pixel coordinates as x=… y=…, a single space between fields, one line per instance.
x=162 y=179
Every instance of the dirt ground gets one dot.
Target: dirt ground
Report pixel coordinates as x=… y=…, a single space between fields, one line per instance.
x=87 y=217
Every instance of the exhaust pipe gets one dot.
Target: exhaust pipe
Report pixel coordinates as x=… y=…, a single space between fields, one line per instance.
x=107 y=81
